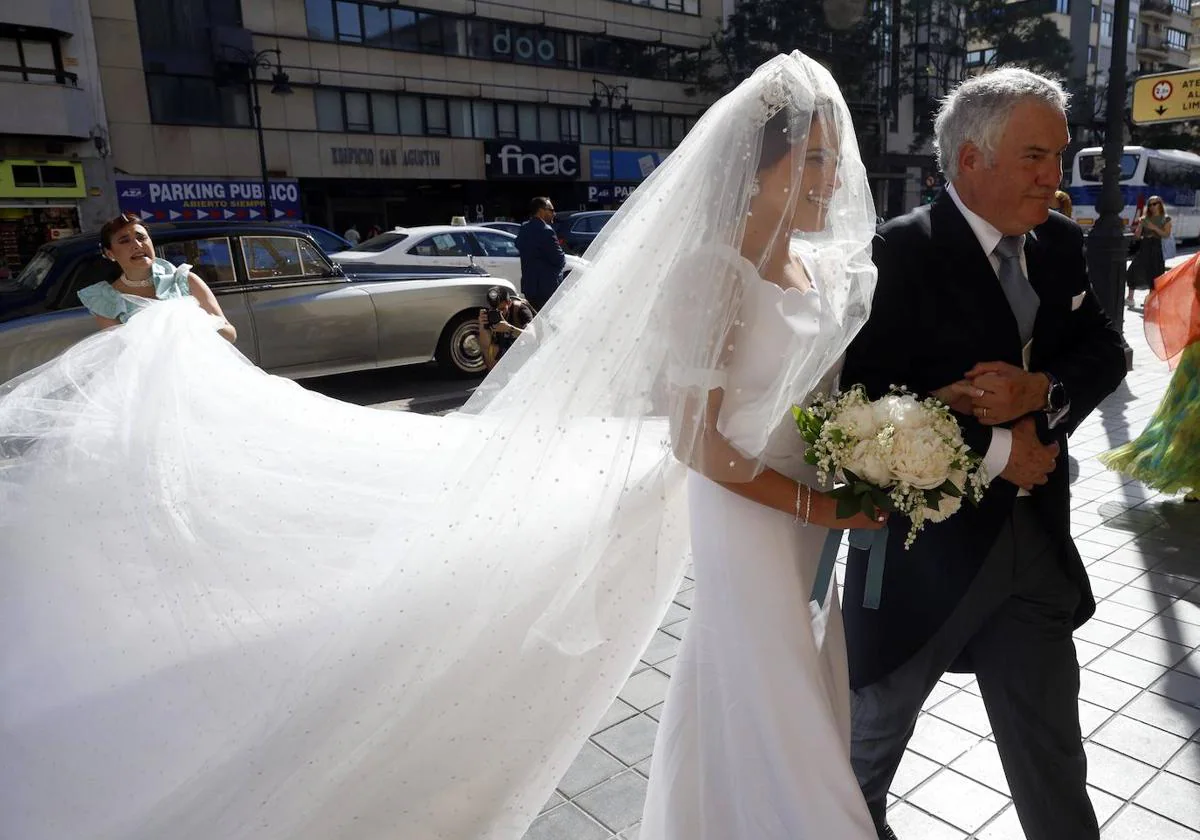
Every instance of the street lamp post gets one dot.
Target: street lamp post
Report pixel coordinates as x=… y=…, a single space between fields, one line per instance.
x=281 y=86
x=1106 y=247
x=611 y=93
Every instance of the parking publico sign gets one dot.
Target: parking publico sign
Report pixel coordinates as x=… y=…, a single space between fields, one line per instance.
x=180 y=200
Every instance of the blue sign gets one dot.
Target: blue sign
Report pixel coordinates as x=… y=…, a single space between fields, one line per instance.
x=632 y=165
x=206 y=199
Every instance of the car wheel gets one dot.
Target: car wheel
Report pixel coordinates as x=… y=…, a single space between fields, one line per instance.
x=459 y=351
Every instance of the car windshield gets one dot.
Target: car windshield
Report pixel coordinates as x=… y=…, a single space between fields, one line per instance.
x=381 y=242
x=33 y=274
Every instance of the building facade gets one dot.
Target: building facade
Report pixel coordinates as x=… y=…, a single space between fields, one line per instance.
x=394 y=113
x=55 y=178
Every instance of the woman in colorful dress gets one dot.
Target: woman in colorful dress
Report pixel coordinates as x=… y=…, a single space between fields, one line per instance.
x=1166 y=455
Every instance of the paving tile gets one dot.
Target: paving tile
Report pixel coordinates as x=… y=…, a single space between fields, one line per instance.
x=662 y=646
x=1164 y=584
x=630 y=741
x=686 y=597
x=965 y=710
x=646 y=689
x=1173 y=630
x=631 y=833
x=1104 y=804
x=943 y=742
x=1085 y=652
x=1179 y=686
x=962 y=802
x=1102 y=587
x=914 y=769
x=1115 y=773
x=1121 y=615
x=1105 y=691
x=1091 y=717
x=1006 y=826
x=1101 y=633
x=675 y=612
x=1173 y=797
x=1127 y=668
x=1136 y=823
x=643 y=766
x=563 y=822
x=677 y=629
x=1142 y=599
x=1139 y=740
x=655 y=711
x=617 y=803
x=591 y=767
x=940 y=692
x=1153 y=649
x=1109 y=570
x=617 y=712
x=982 y=763
x=911 y=822
x=1187 y=763
x=554 y=801
x=1165 y=713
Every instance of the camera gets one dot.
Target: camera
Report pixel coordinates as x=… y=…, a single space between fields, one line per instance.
x=495 y=296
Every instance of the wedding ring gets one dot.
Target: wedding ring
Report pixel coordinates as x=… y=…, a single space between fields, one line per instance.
x=985 y=411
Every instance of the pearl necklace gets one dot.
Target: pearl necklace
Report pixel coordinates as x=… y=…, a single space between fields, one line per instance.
x=137 y=284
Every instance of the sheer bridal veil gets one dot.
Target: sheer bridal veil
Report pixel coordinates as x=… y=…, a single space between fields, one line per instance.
x=232 y=608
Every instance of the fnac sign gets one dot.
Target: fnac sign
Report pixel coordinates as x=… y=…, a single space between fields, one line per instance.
x=530 y=160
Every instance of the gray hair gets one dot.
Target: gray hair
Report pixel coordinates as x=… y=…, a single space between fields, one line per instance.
x=977 y=111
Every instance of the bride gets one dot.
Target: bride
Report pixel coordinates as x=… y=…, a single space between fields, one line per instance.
x=232 y=608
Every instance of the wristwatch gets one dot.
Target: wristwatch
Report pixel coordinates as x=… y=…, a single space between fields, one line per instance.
x=1056 y=395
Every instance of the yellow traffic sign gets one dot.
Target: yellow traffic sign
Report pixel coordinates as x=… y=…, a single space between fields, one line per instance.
x=1166 y=97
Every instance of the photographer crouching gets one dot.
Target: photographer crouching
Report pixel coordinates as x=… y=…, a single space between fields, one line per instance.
x=508 y=316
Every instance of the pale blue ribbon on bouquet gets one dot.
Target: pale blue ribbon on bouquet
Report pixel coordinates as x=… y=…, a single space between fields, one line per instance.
x=873 y=541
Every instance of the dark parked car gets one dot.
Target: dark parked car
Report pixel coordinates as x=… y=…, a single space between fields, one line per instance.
x=508 y=227
x=576 y=230
x=329 y=241
x=296 y=313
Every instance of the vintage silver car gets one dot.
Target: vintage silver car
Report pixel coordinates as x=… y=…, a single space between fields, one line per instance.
x=296 y=313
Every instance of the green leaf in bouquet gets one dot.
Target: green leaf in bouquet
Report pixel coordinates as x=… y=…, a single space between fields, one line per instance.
x=837 y=436
x=932 y=497
x=851 y=478
x=861 y=488
x=882 y=500
x=949 y=488
x=847 y=507
x=810 y=457
x=867 y=505
x=797 y=413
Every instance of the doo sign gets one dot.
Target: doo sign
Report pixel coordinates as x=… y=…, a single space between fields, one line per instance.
x=527 y=159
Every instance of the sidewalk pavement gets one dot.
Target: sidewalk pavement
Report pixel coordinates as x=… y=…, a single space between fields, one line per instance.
x=1139 y=701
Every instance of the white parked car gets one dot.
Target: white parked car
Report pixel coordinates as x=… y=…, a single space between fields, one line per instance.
x=448 y=247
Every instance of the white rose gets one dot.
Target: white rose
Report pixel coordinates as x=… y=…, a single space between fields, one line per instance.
x=868 y=461
x=947 y=507
x=920 y=457
x=858 y=421
x=903 y=412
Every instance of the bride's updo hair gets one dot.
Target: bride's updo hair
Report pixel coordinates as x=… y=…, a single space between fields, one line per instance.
x=779 y=133
x=111 y=228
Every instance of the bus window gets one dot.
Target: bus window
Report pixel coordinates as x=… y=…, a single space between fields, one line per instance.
x=1091 y=167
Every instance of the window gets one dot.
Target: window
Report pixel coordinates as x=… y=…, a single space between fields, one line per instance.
x=383 y=113
x=329 y=110
x=497 y=244
x=593 y=128
x=443 y=245
x=437 y=121
x=380 y=243
x=568 y=125
x=358 y=112
x=320 y=19
x=485 y=120
x=1182 y=6
x=1177 y=39
x=1091 y=167
x=460 y=117
x=196 y=100
x=377 y=30
x=590 y=224
x=410 y=115
x=404 y=30
x=44 y=176
x=211 y=259
x=281 y=258
x=1091 y=59
x=644 y=130
x=349 y=22
x=506 y=119
x=1106 y=24
x=31 y=58
x=527 y=123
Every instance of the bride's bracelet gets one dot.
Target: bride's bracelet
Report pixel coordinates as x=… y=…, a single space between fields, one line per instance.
x=805 y=503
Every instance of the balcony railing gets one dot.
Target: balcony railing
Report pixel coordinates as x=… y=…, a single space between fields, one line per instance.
x=1155 y=46
x=1160 y=8
x=62 y=77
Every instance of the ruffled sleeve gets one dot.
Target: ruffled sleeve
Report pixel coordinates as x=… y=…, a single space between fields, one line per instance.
x=171 y=281
x=103 y=300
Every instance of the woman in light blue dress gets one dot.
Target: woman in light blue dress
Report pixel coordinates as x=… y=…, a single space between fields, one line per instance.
x=144 y=279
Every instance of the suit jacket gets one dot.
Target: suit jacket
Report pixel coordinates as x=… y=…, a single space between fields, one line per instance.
x=938 y=310
x=542 y=260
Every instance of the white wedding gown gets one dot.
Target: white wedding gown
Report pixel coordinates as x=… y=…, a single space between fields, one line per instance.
x=754 y=742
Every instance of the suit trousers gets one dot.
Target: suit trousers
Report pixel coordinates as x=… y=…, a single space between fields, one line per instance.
x=1014 y=630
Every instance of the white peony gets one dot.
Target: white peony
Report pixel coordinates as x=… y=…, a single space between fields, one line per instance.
x=868 y=461
x=858 y=421
x=920 y=457
x=902 y=411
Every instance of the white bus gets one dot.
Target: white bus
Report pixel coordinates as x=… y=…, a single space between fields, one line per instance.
x=1172 y=174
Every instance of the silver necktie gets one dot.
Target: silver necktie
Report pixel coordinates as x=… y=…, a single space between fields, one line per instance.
x=1022 y=298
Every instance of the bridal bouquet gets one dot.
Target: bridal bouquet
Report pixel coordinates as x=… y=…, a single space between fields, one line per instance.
x=897 y=454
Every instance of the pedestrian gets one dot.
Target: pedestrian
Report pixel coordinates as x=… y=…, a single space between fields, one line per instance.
x=1150 y=229
x=352 y=235
x=1166 y=455
x=1062 y=203
x=542 y=257
x=373 y=231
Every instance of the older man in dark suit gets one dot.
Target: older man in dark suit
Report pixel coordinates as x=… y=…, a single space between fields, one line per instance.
x=542 y=257
x=984 y=299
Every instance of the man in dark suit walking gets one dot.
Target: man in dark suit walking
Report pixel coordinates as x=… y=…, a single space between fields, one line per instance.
x=983 y=299
x=542 y=258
